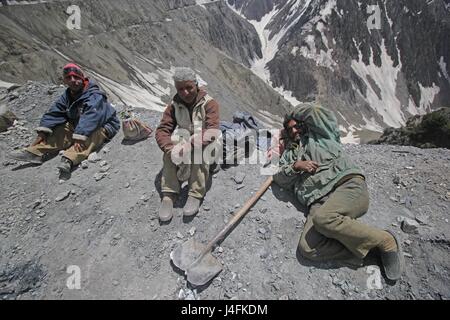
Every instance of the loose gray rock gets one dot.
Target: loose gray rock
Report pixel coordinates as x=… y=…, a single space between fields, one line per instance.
x=239 y=177
x=100 y=175
x=85 y=164
x=62 y=196
x=396 y=180
x=94 y=157
x=105 y=169
x=410 y=226
x=422 y=219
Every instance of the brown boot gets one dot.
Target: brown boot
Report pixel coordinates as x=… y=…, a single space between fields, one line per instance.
x=166 y=210
x=191 y=207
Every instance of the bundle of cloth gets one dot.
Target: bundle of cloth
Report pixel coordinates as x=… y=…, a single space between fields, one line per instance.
x=242 y=136
x=7 y=118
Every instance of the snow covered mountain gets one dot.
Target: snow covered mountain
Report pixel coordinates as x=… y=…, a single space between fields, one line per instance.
x=375 y=62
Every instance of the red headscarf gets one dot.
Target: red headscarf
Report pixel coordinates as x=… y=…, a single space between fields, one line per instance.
x=71 y=69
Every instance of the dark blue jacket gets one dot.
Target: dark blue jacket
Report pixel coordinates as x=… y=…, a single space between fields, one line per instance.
x=88 y=113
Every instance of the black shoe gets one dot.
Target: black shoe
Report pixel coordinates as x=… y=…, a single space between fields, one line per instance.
x=392 y=261
x=25 y=156
x=65 y=166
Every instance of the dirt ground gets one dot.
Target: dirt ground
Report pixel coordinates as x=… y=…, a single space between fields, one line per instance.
x=109 y=229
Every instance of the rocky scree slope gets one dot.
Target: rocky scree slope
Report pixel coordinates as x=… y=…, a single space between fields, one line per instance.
x=104 y=220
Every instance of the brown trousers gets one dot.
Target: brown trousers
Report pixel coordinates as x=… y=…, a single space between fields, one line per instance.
x=331 y=230
x=61 y=139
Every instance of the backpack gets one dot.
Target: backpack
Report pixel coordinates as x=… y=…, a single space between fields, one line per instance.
x=133 y=128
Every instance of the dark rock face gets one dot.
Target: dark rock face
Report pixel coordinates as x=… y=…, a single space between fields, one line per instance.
x=429 y=131
x=373 y=77
x=253 y=9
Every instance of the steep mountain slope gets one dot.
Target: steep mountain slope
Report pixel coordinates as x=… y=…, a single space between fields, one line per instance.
x=131 y=48
x=375 y=62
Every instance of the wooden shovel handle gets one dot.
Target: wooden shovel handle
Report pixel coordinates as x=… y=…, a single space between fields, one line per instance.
x=238 y=215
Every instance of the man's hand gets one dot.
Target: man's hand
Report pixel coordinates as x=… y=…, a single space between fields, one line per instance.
x=180 y=149
x=197 y=140
x=41 y=138
x=306 y=166
x=79 y=146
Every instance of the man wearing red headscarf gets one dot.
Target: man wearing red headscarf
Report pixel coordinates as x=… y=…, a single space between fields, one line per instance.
x=79 y=122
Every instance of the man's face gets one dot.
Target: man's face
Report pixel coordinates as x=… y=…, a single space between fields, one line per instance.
x=294 y=130
x=187 y=90
x=74 y=83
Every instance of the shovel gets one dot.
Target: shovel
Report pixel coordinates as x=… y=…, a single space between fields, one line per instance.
x=196 y=260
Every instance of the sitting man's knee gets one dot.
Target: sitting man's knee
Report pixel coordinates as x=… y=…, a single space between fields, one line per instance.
x=323 y=220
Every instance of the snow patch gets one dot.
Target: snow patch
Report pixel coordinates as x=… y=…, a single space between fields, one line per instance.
x=323 y=58
x=269 y=44
x=427 y=96
x=156 y=86
x=372 y=125
x=4 y=84
x=288 y=95
x=203 y=2
x=350 y=138
x=330 y=6
x=385 y=79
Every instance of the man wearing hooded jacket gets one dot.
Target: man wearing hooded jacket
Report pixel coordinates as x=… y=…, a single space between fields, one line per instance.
x=79 y=122
x=326 y=181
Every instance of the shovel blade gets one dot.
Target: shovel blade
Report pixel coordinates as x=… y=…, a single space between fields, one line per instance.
x=203 y=270
x=185 y=255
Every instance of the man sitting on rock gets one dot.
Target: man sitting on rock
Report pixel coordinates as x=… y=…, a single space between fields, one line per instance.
x=315 y=167
x=79 y=122
x=194 y=113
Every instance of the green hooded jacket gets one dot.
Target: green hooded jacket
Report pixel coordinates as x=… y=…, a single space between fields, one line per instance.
x=320 y=143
